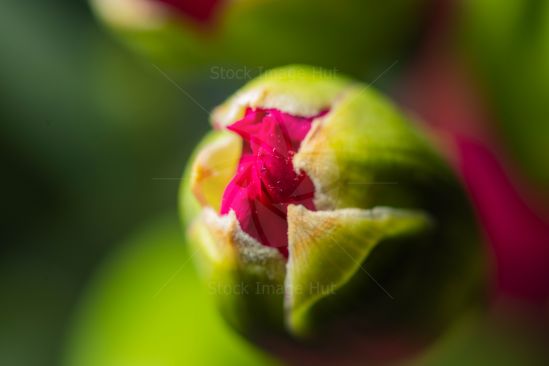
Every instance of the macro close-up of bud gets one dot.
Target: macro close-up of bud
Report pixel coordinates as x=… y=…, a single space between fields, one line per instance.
x=274 y=183
x=315 y=204
x=184 y=35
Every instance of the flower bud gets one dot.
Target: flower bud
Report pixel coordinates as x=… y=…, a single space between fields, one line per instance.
x=354 y=35
x=315 y=204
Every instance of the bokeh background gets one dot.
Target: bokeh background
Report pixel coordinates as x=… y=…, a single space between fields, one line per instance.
x=98 y=121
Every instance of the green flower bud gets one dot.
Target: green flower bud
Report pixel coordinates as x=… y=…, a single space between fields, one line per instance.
x=359 y=224
x=183 y=35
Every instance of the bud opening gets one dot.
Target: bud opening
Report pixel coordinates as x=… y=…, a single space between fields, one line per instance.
x=266 y=182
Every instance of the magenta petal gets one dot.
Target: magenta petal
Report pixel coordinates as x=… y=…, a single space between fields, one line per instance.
x=265 y=182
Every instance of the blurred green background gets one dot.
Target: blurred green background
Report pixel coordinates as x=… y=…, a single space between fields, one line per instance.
x=86 y=130
x=94 y=138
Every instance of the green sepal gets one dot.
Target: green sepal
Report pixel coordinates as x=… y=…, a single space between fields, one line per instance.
x=327 y=248
x=366 y=153
x=297 y=89
x=245 y=278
